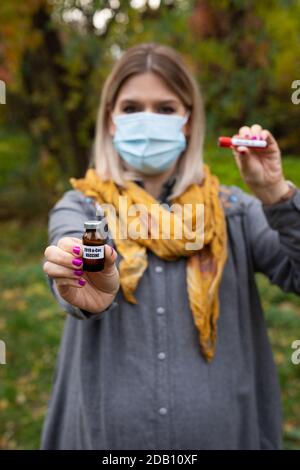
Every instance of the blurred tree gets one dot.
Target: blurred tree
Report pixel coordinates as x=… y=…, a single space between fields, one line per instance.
x=56 y=54
x=248 y=56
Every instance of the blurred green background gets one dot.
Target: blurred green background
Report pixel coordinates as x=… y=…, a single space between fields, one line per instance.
x=54 y=58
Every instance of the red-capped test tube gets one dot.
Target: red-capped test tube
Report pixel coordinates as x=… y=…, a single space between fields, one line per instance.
x=237 y=141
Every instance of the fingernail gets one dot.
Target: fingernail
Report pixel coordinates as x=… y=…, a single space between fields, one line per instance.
x=76 y=250
x=78 y=272
x=77 y=262
x=254 y=137
x=81 y=282
x=243 y=152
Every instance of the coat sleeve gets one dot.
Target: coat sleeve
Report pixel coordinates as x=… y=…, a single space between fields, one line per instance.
x=66 y=219
x=274 y=238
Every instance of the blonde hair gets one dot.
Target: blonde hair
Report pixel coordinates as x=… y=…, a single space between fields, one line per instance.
x=169 y=65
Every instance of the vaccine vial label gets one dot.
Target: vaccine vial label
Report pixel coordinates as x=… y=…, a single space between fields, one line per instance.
x=93 y=252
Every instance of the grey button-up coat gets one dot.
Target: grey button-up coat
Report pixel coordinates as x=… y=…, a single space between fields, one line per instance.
x=133 y=376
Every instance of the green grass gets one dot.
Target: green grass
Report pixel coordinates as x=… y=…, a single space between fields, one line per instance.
x=283 y=319
x=31 y=325
x=31 y=321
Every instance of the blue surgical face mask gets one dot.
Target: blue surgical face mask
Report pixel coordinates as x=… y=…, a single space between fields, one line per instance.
x=149 y=142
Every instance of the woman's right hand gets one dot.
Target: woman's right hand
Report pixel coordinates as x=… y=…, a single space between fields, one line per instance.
x=89 y=291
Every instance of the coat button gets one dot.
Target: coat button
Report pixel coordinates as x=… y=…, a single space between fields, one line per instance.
x=162 y=411
x=160 y=310
x=161 y=355
x=158 y=269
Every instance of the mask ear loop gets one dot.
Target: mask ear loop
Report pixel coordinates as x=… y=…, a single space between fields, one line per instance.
x=186 y=117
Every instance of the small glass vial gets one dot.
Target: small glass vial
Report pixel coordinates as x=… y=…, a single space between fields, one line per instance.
x=93 y=242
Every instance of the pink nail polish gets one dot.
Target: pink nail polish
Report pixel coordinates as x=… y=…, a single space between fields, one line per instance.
x=77 y=262
x=254 y=137
x=81 y=282
x=76 y=250
x=78 y=272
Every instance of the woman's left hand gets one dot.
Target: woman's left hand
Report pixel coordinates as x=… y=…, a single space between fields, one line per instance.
x=261 y=168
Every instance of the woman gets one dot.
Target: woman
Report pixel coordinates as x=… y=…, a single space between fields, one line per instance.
x=167 y=347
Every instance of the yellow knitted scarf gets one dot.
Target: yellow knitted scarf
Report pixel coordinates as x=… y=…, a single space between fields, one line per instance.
x=204 y=265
